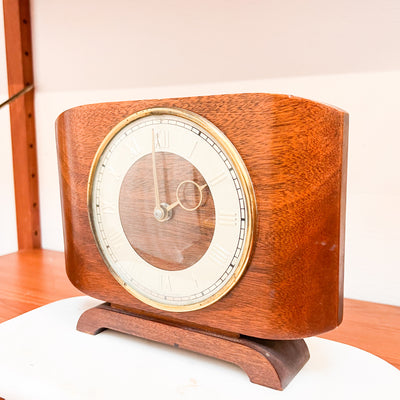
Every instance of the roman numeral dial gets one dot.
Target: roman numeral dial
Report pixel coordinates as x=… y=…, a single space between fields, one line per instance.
x=218 y=178
x=219 y=255
x=170 y=209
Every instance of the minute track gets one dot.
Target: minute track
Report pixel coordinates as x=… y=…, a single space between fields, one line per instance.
x=208 y=278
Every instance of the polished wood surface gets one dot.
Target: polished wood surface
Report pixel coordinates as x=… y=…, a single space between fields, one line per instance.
x=295 y=152
x=17 y=28
x=30 y=279
x=267 y=362
x=372 y=327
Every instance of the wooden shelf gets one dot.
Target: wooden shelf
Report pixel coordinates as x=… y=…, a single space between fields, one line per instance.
x=33 y=278
x=30 y=279
x=372 y=327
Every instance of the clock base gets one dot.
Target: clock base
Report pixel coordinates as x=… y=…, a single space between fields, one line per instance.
x=271 y=363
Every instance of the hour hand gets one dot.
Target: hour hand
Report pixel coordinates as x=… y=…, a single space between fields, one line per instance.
x=179 y=200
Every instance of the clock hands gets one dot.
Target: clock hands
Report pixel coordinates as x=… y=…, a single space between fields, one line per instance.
x=162 y=211
x=179 y=200
x=153 y=158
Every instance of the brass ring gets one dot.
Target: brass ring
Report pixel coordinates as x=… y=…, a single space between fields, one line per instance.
x=179 y=200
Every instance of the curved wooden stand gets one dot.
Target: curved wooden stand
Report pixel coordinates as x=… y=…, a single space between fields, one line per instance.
x=271 y=363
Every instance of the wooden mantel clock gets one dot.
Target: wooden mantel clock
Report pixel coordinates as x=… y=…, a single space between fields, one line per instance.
x=215 y=223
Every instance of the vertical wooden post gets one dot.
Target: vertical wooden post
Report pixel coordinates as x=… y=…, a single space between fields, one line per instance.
x=17 y=27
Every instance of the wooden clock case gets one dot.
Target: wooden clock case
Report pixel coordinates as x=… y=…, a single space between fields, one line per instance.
x=296 y=153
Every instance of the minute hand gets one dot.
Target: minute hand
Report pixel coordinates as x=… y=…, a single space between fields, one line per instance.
x=153 y=156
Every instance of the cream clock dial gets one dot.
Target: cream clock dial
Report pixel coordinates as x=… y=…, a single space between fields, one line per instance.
x=172 y=209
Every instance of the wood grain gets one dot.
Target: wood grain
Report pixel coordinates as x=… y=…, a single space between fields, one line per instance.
x=371 y=327
x=266 y=362
x=294 y=150
x=175 y=244
x=30 y=279
x=17 y=27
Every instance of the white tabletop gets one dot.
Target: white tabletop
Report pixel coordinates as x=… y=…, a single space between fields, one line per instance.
x=42 y=356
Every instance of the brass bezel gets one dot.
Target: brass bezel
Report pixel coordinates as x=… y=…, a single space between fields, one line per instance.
x=245 y=180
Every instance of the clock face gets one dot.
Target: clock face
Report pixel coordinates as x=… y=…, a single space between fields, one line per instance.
x=172 y=209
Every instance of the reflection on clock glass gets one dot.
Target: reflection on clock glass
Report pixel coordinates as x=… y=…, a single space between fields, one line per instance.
x=185 y=235
x=168 y=211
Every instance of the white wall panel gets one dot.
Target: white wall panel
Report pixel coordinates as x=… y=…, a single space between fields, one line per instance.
x=98 y=44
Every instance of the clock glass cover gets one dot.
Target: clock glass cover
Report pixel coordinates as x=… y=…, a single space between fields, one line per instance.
x=172 y=209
